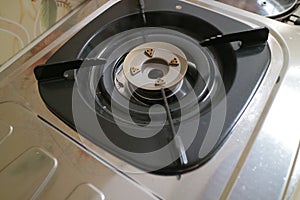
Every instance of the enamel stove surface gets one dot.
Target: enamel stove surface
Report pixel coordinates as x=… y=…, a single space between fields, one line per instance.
x=237 y=170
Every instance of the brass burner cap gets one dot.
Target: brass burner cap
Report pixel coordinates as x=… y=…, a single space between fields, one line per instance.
x=155 y=65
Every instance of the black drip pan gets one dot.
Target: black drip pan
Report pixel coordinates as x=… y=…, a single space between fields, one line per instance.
x=91 y=111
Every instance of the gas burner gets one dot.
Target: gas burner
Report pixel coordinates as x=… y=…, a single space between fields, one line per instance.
x=154 y=66
x=152 y=89
x=195 y=72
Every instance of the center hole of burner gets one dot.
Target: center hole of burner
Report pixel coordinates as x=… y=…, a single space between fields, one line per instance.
x=155 y=73
x=155 y=68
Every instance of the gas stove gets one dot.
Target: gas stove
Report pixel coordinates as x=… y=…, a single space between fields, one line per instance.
x=176 y=97
x=135 y=64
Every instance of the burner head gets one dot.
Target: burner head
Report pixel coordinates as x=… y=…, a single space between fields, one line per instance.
x=155 y=66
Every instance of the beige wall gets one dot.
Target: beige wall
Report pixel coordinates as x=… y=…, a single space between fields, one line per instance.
x=21 y=21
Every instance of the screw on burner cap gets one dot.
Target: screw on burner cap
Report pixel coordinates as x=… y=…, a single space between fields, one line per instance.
x=159 y=81
x=174 y=62
x=155 y=65
x=149 y=52
x=134 y=70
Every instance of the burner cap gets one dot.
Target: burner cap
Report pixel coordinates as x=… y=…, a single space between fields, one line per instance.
x=155 y=65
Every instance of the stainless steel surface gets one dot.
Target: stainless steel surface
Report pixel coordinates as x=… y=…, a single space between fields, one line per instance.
x=35 y=167
x=292 y=191
x=270 y=161
x=255 y=161
x=86 y=191
x=38 y=162
x=268 y=8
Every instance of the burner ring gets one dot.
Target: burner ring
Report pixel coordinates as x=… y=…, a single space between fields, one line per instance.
x=155 y=65
x=200 y=77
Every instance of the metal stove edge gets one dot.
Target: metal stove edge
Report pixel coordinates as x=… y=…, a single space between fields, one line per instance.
x=229 y=172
